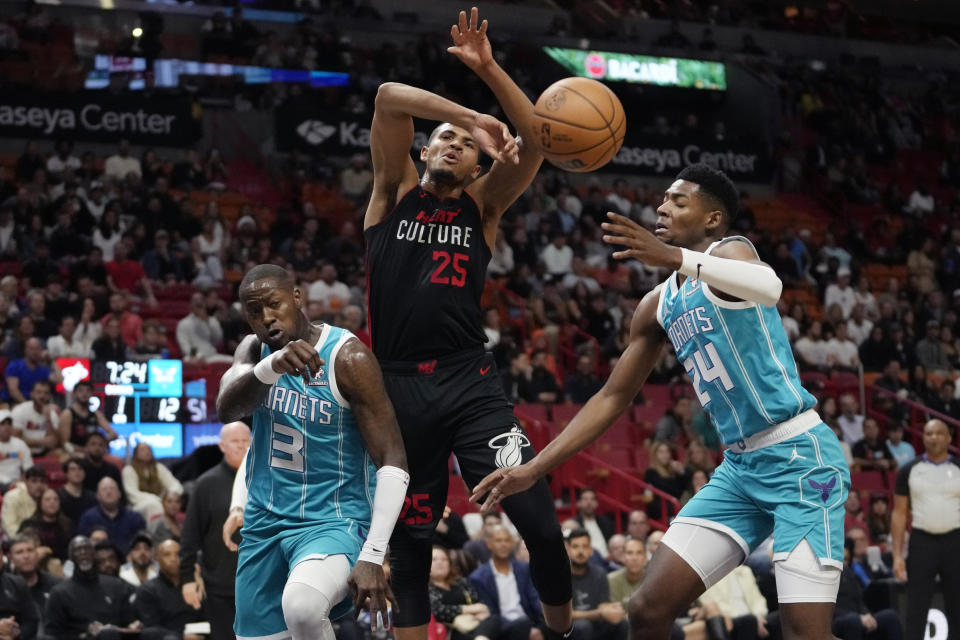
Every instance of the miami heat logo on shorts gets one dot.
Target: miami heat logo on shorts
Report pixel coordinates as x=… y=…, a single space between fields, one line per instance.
x=508 y=446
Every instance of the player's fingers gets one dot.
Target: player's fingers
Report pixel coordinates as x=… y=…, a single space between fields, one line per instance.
x=474 y=16
x=455 y=33
x=624 y=240
x=378 y=608
x=388 y=593
x=618 y=229
x=482 y=487
x=626 y=255
x=619 y=219
x=483 y=28
x=462 y=21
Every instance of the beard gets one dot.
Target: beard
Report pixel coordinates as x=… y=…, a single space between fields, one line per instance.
x=444 y=178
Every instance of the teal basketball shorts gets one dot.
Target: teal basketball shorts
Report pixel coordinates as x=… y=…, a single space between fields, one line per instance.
x=266 y=559
x=794 y=489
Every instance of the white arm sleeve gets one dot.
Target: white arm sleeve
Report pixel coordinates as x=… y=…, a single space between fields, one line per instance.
x=746 y=280
x=387 y=501
x=238 y=498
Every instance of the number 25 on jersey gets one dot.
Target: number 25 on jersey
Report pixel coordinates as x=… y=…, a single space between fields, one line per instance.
x=707 y=369
x=456 y=262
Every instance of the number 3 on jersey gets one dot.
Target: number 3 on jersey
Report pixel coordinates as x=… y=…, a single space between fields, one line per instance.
x=293 y=449
x=707 y=369
x=443 y=260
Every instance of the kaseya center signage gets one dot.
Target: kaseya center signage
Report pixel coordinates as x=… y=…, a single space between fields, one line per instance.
x=96 y=116
x=335 y=133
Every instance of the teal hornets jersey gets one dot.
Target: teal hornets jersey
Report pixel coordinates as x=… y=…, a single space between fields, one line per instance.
x=736 y=354
x=307 y=462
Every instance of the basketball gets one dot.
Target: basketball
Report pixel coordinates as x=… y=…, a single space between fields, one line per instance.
x=580 y=124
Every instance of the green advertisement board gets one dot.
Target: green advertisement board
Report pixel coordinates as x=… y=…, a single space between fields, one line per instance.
x=626 y=67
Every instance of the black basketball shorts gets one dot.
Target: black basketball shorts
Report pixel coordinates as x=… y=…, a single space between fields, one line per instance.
x=453 y=404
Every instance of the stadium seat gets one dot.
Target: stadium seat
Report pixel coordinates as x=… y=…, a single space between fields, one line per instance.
x=868 y=481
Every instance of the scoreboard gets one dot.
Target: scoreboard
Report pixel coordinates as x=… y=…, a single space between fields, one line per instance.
x=143 y=401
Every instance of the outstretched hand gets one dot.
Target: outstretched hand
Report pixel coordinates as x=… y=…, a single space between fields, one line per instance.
x=494 y=139
x=470 y=42
x=641 y=244
x=502 y=483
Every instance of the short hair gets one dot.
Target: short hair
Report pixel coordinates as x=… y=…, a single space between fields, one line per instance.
x=493 y=514
x=106 y=545
x=36 y=471
x=83 y=383
x=91 y=436
x=717 y=186
x=264 y=271
x=42 y=383
x=23 y=538
x=579 y=532
x=73 y=460
x=584 y=490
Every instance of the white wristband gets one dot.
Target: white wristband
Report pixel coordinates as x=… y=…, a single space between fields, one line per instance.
x=264 y=372
x=387 y=501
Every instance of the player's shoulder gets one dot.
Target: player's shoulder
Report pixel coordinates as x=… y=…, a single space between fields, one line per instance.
x=736 y=247
x=249 y=349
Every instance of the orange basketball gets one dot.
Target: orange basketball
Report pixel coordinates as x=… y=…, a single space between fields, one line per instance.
x=580 y=124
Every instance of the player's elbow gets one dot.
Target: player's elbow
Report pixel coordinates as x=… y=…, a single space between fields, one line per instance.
x=386 y=94
x=770 y=295
x=226 y=413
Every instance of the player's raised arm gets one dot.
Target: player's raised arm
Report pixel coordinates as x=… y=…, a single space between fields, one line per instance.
x=361 y=383
x=391 y=136
x=503 y=184
x=596 y=416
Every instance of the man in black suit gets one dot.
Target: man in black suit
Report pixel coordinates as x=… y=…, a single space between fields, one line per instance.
x=600 y=527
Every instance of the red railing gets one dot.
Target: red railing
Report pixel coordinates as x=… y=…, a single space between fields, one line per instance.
x=918 y=413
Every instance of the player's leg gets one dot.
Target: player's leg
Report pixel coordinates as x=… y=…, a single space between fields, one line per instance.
x=690 y=559
x=410 y=559
x=314 y=587
x=808 y=542
x=481 y=448
x=261 y=574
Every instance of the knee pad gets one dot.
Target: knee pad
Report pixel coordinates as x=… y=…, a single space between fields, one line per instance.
x=305 y=609
x=802 y=577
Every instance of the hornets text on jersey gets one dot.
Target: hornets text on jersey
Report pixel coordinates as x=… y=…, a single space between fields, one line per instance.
x=736 y=354
x=307 y=463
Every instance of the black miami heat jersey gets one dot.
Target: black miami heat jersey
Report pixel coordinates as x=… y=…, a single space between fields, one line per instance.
x=426 y=268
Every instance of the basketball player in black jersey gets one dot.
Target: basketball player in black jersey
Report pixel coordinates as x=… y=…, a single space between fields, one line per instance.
x=429 y=240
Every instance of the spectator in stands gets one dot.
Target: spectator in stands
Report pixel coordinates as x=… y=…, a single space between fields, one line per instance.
x=921 y=202
x=153 y=342
x=946 y=403
x=25 y=562
x=840 y=292
x=665 y=474
x=901 y=450
x=879 y=518
x=41 y=267
x=928 y=492
x=49 y=524
x=922 y=266
x=163 y=263
x=20 y=502
x=918 y=385
x=595 y=617
x=74 y=497
x=121 y=164
x=843 y=352
x=930 y=351
x=159 y=603
x=738 y=599
x=15 y=456
x=63 y=344
x=536 y=383
x=23 y=373
x=15 y=344
x=110 y=345
x=583 y=382
x=871 y=453
x=557 y=256
x=144 y=479
x=127 y=275
x=168 y=526
x=330 y=292
x=672 y=427
x=890 y=380
x=811 y=348
x=19 y=617
x=853 y=513
x=615 y=547
x=37 y=420
x=121 y=523
x=505 y=586
x=90 y=605
x=106 y=553
x=77 y=421
x=698 y=459
x=638 y=525
x=203 y=551
x=199 y=333
x=356 y=179
x=623 y=582
x=88 y=329
x=43 y=326
x=108 y=232
x=139 y=566
x=478 y=547
x=455 y=602
x=851 y=618
x=598 y=526
x=849 y=420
